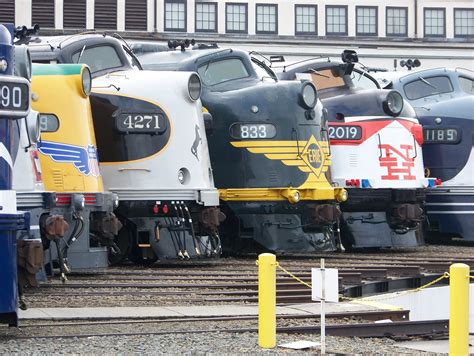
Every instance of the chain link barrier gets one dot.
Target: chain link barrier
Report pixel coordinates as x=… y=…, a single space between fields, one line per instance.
x=293 y=276
x=445 y=275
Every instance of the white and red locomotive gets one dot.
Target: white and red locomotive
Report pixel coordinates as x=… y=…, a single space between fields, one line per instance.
x=376 y=150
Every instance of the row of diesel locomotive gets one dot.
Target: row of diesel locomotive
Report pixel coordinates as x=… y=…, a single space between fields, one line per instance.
x=152 y=148
x=443 y=99
x=376 y=143
x=14 y=108
x=269 y=154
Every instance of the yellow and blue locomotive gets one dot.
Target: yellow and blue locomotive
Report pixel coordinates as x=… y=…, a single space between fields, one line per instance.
x=268 y=148
x=80 y=219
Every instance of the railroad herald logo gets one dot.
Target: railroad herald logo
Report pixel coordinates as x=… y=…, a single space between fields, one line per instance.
x=84 y=159
x=397 y=161
x=308 y=156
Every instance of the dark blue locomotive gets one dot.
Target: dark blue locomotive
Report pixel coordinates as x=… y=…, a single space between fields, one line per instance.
x=14 y=104
x=444 y=101
x=268 y=148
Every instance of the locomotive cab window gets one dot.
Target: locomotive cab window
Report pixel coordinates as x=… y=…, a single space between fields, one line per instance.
x=467 y=85
x=98 y=58
x=222 y=71
x=423 y=87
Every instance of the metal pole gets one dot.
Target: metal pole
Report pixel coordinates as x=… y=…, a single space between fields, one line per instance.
x=267 y=300
x=458 y=309
x=323 y=315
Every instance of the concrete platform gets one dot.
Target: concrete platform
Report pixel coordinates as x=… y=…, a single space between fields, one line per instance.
x=438 y=346
x=190 y=311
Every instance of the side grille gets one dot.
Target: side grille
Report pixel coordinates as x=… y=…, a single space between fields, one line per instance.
x=135 y=15
x=43 y=13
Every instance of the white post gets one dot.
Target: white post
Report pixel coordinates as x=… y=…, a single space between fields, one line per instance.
x=323 y=316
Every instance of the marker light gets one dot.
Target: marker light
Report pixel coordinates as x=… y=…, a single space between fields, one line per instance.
x=308 y=95
x=194 y=87
x=294 y=196
x=417 y=132
x=393 y=104
x=353 y=183
x=86 y=81
x=78 y=202
x=342 y=195
x=3 y=65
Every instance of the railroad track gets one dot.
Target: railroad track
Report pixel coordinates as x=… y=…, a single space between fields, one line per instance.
x=235 y=280
x=394 y=329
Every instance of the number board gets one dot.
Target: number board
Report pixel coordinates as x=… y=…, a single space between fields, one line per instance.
x=141 y=123
x=343 y=132
x=48 y=123
x=449 y=135
x=14 y=97
x=252 y=131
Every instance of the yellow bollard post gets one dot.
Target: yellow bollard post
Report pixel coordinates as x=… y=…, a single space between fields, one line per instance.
x=267 y=300
x=459 y=309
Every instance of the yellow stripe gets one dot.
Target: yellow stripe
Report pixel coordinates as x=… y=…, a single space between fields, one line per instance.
x=274 y=149
x=282 y=156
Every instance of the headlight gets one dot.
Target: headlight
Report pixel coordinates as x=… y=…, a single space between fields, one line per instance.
x=194 y=87
x=308 y=96
x=86 y=81
x=393 y=104
x=22 y=62
x=33 y=126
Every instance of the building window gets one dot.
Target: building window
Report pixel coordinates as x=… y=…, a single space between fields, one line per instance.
x=463 y=22
x=175 y=15
x=267 y=18
x=206 y=17
x=336 y=20
x=306 y=19
x=366 y=19
x=397 y=21
x=435 y=23
x=236 y=18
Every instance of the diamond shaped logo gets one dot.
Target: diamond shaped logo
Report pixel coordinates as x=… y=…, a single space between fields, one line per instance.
x=313 y=156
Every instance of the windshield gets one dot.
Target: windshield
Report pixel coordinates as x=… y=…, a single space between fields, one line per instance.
x=98 y=58
x=362 y=80
x=423 y=87
x=222 y=71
